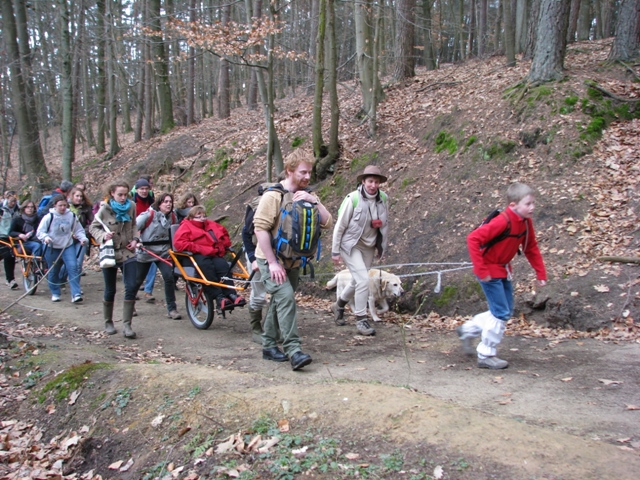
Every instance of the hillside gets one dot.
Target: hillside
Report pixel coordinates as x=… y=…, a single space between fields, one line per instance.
x=489 y=136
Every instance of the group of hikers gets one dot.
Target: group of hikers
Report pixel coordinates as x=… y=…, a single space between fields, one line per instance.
x=138 y=224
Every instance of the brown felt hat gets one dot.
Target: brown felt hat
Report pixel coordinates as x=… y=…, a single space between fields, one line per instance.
x=372 y=171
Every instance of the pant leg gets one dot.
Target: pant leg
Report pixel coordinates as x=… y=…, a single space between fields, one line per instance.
x=9 y=264
x=473 y=327
x=499 y=294
x=142 y=269
x=81 y=252
x=258 y=294
x=110 y=276
x=358 y=262
x=70 y=261
x=129 y=275
x=213 y=269
x=282 y=312
x=53 y=278
x=169 y=286
x=150 y=279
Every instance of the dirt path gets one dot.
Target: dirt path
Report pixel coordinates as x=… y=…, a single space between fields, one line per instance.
x=560 y=409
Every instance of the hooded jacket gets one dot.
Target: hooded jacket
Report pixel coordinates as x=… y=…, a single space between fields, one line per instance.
x=496 y=261
x=206 y=238
x=61 y=229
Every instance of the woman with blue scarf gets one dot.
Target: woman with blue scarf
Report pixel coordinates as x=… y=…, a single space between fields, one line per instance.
x=115 y=221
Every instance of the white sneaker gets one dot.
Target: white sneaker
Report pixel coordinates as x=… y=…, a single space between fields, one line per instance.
x=55 y=298
x=13 y=285
x=493 y=363
x=77 y=299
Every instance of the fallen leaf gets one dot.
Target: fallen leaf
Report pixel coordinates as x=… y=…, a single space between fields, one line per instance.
x=74 y=396
x=601 y=288
x=438 y=472
x=156 y=422
x=632 y=407
x=283 y=425
x=610 y=382
x=127 y=466
x=567 y=379
x=352 y=456
x=115 y=465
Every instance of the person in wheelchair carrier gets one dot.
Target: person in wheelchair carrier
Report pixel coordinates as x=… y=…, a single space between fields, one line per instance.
x=208 y=242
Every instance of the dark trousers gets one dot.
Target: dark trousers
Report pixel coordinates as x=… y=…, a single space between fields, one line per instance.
x=213 y=268
x=129 y=275
x=9 y=263
x=167 y=275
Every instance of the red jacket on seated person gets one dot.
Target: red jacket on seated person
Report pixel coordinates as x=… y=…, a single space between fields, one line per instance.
x=206 y=238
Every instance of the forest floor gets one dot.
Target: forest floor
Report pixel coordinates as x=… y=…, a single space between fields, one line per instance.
x=183 y=403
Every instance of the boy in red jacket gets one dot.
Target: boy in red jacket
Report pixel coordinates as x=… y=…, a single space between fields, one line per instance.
x=513 y=229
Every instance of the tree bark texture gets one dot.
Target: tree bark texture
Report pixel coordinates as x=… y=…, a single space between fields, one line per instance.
x=405 y=34
x=161 y=68
x=625 y=43
x=551 y=41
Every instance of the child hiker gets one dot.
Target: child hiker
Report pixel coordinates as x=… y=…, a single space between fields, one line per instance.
x=492 y=246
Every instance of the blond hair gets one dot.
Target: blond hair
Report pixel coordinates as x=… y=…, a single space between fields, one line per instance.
x=298 y=156
x=517 y=191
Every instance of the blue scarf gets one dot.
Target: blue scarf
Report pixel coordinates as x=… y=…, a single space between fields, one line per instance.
x=121 y=210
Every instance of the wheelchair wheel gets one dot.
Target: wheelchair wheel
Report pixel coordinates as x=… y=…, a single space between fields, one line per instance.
x=29 y=277
x=200 y=305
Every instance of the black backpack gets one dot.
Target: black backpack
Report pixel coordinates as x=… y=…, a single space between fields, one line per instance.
x=506 y=233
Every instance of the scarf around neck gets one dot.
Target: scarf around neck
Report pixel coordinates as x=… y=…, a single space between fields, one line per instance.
x=121 y=210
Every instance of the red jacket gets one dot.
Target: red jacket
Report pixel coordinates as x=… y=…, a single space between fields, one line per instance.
x=496 y=260
x=198 y=237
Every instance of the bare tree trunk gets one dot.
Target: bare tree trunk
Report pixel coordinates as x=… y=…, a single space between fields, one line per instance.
x=533 y=29
x=625 y=43
x=101 y=79
x=482 y=28
x=316 y=130
x=404 y=57
x=522 y=20
x=471 y=40
x=509 y=35
x=224 y=110
x=429 y=56
x=551 y=43
x=573 y=21
x=498 y=28
x=122 y=76
x=30 y=148
x=67 y=130
x=191 y=76
x=585 y=18
x=161 y=68
x=114 y=148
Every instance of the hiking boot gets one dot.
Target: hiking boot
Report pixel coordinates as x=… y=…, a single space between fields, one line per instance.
x=338 y=314
x=363 y=327
x=274 y=354
x=465 y=341
x=299 y=360
x=174 y=315
x=13 y=285
x=149 y=298
x=493 y=363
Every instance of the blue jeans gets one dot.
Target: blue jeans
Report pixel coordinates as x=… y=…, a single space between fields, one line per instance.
x=129 y=273
x=81 y=251
x=499 y=293
x=33 y=248
x=68 y=258
x=151 y=277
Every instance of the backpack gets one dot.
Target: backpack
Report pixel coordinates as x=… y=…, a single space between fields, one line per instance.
x=43 y=206
x=506 y=233
x=249 y=227
x=5 y=222
x=298 y=234
x=152 y=212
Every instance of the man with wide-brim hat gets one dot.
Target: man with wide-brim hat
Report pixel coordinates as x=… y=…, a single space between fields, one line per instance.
x=360 y=232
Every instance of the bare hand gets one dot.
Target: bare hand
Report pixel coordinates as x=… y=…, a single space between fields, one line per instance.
x=486 y=279
x=304 y=195
x=254 y=266
x=278 y=273
x=132 y=245
x=108 y=236
x=337 y=259
x=48 y=241
x=23 y=237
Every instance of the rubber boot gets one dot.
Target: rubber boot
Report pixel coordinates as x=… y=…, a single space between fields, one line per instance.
x=107 y=312
x=256 y=325
x=127 y=313
x=338 y=312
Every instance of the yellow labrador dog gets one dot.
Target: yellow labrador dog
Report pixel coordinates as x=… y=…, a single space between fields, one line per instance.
x=382 y=286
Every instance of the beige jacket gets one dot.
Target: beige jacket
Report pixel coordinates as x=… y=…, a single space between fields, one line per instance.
x=123 y=232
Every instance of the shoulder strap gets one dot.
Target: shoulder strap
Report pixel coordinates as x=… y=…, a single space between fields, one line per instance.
x=150 y=217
